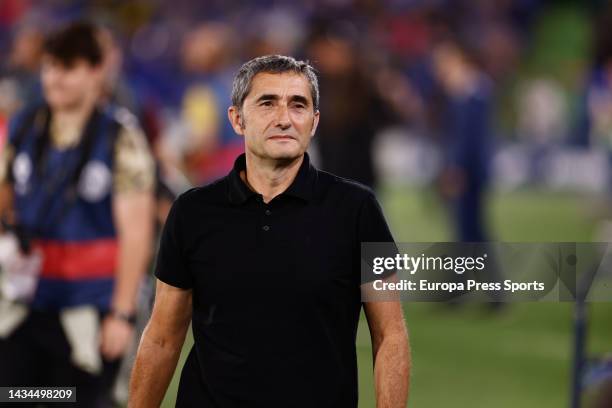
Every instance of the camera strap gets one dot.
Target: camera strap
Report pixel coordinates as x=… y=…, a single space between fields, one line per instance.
x=91 y=131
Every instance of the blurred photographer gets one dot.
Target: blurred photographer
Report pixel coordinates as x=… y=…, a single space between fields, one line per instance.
x=77 y=182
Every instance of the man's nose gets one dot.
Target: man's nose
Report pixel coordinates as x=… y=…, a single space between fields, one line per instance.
x=282 y=117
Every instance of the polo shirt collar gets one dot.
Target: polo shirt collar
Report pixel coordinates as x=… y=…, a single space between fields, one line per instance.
x=302 y=186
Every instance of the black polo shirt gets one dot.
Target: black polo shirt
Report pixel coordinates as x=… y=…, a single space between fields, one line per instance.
x=276 y=296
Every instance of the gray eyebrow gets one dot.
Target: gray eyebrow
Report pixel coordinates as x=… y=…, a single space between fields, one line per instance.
x=273 y=97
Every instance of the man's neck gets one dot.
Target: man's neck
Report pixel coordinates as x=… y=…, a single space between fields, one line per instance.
x=73 y=117
x=270 y=177
x=67 y=124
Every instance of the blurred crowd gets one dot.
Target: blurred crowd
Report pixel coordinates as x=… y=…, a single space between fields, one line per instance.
x=454 y=94
x=172 y=63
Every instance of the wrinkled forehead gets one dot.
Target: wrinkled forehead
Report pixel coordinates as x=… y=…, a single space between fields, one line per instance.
x=285 y=85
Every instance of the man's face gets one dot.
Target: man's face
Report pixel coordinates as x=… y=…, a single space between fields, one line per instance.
x=66 y=88
x=277 y=118
x=449 y=67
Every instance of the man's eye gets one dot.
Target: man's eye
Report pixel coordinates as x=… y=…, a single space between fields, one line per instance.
x=266 y=103
x=299 y=106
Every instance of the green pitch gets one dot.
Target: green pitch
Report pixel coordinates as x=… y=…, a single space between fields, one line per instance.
x=468 y=357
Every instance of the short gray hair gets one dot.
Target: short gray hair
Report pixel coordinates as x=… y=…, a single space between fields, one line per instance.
x=274 y=64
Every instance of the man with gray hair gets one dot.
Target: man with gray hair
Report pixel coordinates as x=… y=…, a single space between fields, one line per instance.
x=265 y=264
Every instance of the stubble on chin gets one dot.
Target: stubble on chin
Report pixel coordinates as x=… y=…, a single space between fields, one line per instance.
x=281 y=157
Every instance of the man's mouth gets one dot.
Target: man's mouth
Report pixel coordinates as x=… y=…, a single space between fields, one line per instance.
x=281 y=137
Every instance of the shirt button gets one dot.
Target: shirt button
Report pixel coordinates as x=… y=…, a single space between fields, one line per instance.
x=268 y=212
x=266 y=228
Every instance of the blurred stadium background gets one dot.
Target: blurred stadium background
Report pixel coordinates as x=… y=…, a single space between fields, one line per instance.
x=392 y=118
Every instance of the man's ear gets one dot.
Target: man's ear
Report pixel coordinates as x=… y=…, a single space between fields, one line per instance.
x=315 y=123
x=235 y=117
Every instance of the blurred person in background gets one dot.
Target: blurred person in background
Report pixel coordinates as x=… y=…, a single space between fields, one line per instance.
x=19 y=75
x=199 y=139
x=599 y=106
x=597 y=128
x=353 y=111
x=598 y=102
x=115 y=89
x=277 y=31
x=466 y=145
x=77 y=183
x=465 y=137
x=594 y=127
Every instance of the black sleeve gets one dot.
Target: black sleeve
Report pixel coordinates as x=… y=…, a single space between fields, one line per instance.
x=372 y=225
x=373 y=228
x=171 y=264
